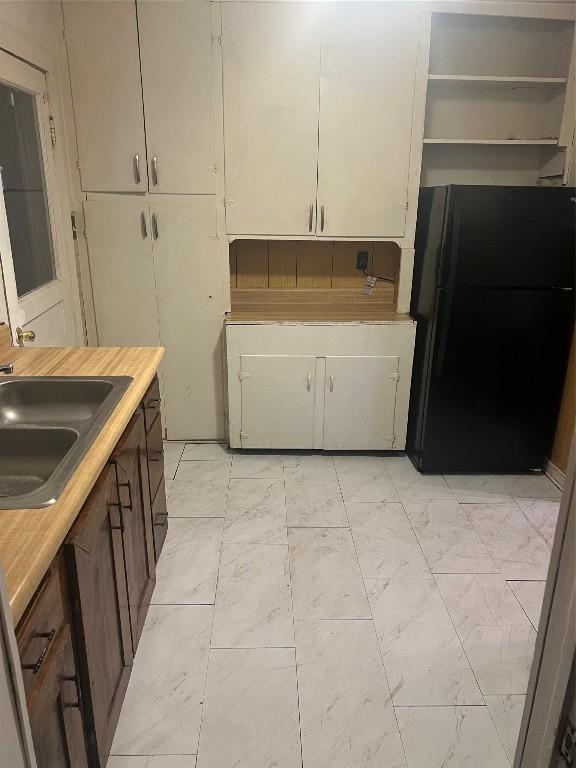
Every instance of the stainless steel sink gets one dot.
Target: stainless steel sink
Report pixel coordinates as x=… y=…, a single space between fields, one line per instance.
x=47 y=424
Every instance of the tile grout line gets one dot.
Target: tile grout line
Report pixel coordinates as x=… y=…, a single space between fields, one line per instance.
x=293 y=619
x=371 y=614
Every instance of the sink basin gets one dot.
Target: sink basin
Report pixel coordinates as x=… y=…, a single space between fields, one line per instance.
x=47 y=424
x=29 y=401
x=29 y=457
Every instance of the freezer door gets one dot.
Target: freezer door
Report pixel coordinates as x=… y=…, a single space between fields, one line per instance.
x=495 y=379
x=520 y=237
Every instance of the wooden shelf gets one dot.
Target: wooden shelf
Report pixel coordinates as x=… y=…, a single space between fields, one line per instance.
x=496 y=142
x=313 y=305
x=500 y=80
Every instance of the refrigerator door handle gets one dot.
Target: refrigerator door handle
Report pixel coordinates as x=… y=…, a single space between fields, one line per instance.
x=443 y=322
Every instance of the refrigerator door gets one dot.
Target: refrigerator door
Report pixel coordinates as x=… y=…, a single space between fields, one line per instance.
x=517 y=237
x=493 y=382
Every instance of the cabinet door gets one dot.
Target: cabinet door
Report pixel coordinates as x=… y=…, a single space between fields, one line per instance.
x=366 y=96
x=190 y=308
x=271 y=70
x=54 y=706
x=132 y=474
x=102 y=42
x=359 y=404
x=176 y=57
x=100 y=611
x=277 y=401
x=118 y=232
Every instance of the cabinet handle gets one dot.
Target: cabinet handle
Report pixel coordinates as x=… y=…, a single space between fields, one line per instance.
x=331 y=382
x=155 y=171
x=74 y=704
x=163 y=522
x=155 y=226
x=40 y=660
x=143 y=226
x=322 y=219
x=310 y=218
x=129 y=505
x=136 y=168
x=121 y=515
x=308 y=381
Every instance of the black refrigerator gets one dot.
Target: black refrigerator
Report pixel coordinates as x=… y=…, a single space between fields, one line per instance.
x=493 y=296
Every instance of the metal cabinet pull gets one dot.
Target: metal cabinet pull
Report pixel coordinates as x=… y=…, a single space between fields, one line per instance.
x=126 y=485
x=310 y=218
x=143 y=225
x=331 y=382
x=155 y=226
x=322 y=219
x=308 y=381
x=162 y=522
x=136 y=168
x=40 y=660
x=119 y=527
x=73 y=704
x=155 y=171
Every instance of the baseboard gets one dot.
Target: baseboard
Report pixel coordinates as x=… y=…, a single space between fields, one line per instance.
x=555 y=474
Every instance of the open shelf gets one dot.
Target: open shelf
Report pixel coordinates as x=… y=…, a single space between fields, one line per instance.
x=501 y=80
x=496 y=142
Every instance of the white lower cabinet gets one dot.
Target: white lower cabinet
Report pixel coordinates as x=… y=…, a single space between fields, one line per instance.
x=157 y=279
x=360 y=403
x=277 y=401
x=335 y=387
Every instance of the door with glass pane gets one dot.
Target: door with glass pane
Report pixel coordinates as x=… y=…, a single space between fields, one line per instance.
x=34 y=280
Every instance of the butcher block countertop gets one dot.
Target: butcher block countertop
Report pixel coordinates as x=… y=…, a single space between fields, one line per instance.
x=30 y=538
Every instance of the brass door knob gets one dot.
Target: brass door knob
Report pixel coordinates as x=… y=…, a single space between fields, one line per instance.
x=22 y=336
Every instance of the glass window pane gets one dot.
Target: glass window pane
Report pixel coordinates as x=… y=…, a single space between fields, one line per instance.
x=25 y=191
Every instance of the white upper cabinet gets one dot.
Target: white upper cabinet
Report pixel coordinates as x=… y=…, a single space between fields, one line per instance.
x=366 y=97
x=271 y=78
x=176 y=60
x=102 y=41
x=142 y=82
x=318 y=102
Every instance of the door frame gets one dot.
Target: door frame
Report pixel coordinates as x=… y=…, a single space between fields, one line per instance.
x=556 y=640
x=56 y=166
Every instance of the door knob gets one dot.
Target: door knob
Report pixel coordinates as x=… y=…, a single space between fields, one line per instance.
x=22 y=336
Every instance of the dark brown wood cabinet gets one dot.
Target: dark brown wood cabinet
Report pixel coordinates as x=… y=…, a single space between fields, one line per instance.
x=51 y=681
x=98 y=591
x=78 y=637
x=130 y=460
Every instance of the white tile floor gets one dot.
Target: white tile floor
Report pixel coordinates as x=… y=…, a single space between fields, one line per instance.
x=346 y=612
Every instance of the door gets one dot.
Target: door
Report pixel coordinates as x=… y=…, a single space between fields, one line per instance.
x=190 y=311
x=131 y=462
x=54 y=706
x=118 y=232
x=33 y=267
x=360 y=403
x=366 y=97
x=278 y=395
x=103 y=55
x=100 y=610
x=271 y=69
x=494 y=379
x=176 y=61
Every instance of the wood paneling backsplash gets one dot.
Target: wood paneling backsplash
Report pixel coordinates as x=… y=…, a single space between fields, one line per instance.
x=307 y=264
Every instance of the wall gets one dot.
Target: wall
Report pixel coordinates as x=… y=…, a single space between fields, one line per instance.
x=36 y=28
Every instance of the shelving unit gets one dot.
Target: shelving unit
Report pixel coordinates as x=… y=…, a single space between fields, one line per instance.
x=497 y=99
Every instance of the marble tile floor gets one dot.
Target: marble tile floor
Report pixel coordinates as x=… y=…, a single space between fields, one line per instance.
x=314 y=611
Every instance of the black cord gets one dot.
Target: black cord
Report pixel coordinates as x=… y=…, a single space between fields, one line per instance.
x=385 y=279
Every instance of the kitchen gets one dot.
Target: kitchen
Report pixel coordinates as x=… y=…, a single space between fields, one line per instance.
x=243 y=181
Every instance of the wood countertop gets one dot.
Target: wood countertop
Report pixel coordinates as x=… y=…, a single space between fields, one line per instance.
x=30 y=538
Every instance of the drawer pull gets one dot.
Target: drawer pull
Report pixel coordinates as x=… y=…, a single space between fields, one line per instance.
x=162 y=522
x=40 y=660
x=119 y=527
x=153 y=403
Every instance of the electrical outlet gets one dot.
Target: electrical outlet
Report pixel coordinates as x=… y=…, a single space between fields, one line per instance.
x=362 y=260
